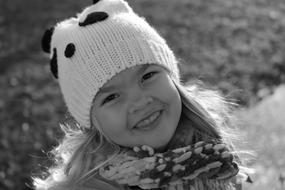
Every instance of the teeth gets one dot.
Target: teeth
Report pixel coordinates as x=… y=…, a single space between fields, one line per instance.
x=149 y=119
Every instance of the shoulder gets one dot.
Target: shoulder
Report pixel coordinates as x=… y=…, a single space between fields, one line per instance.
x=88 y=184
x=98 y=183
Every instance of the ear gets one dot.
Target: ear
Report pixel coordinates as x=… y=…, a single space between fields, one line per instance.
x=46 y=39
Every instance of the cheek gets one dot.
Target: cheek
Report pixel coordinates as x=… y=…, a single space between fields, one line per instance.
x=111 y=122
x=176 y=104
x=168 y=91
x=172 y=96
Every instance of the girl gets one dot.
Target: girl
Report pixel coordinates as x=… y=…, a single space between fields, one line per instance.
x=138 y=126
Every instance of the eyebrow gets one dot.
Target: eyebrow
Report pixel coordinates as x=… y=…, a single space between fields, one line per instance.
x=106 y=89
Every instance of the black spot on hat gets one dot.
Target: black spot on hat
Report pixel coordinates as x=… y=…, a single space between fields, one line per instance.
x=46 y=39
x=53 y=63
x=93 y=18
x=95 y=1
x=69 y=50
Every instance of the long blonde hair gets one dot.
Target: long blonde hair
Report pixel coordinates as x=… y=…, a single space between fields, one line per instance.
x=211 y=115
x=82 y=152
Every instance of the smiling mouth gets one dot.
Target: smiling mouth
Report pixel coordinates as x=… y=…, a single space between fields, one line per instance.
x=145 y=123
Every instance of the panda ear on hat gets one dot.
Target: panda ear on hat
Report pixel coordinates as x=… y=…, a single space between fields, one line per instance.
x=46 y=47
x=46 y=39
x=95 y=1
x=111 y=7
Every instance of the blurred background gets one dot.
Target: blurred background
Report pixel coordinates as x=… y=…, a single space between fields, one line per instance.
x=236 y=47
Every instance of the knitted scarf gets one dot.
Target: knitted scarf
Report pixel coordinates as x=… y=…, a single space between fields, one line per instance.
x=204 y=165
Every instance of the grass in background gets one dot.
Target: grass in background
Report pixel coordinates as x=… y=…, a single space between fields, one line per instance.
x=236 y=46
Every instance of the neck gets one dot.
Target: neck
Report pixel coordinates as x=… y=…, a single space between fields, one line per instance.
x=183 y=136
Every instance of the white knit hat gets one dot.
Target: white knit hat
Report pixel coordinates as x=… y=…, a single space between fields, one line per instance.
x=90 y=49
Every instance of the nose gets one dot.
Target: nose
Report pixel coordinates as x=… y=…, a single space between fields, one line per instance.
x=140 y=104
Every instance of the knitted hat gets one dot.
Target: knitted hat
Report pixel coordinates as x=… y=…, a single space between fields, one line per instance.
x=90 y=49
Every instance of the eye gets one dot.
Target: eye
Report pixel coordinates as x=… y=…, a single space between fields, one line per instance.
x=148 y=75
x=110 y=98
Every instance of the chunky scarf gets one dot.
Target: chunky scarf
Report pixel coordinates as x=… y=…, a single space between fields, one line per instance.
x=205 y=165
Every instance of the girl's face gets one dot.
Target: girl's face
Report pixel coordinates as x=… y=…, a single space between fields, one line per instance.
x=139 y=106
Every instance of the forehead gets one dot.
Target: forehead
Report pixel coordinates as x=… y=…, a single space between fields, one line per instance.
x=127 y=74
x=123 y=77
x=132 y=71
